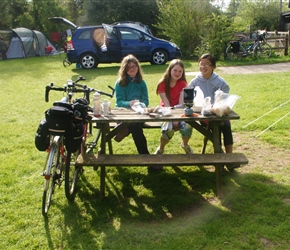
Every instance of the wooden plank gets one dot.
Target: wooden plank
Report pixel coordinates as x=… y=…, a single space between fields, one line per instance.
x=165 y=160
x=146 y=125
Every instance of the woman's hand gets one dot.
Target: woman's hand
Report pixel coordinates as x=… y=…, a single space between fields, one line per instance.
x=132 y=102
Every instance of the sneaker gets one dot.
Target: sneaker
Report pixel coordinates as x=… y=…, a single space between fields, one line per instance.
x=158 y=168
x=231 y=167
x=187 y=149
x=158 y=151
x=121 y=135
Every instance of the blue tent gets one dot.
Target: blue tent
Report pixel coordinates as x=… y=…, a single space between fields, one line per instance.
x=23 y=42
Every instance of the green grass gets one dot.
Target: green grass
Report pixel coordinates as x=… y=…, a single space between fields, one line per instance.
x=175 y=209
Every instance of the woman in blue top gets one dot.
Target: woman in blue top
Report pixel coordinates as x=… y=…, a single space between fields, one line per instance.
x=130 y=88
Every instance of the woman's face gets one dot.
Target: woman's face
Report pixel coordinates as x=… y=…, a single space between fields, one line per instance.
x=176 y=72
x=132 y=70
x=206 y=68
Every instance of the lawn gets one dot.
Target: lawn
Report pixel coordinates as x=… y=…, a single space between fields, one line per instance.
x=174 y=209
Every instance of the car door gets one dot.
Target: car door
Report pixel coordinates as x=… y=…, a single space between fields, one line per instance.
x=133 y=42
x=113 y=43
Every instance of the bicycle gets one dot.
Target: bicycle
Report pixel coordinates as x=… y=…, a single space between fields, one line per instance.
x=260 y=48
x=59 y=165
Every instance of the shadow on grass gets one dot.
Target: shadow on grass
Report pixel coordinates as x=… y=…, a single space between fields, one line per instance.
x=184 y=194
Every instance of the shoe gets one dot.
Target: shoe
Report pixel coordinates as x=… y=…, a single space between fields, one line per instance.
x=158 y=151
x=187 y=149
x=155 y=168
x=231 y=167
x=121 y=135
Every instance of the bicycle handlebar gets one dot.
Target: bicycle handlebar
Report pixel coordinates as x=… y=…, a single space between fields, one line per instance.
x=71 y=87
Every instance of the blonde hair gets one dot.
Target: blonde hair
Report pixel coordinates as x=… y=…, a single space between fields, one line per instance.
x=123 y=76
x=167 y=76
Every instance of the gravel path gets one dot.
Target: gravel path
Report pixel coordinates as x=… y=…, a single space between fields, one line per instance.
x=251 y=69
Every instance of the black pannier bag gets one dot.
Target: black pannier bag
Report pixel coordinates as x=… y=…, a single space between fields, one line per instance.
x=67 y=120
x=80 y=109
x=42 y=136
x=73 y=138
x=235 y=46
x=59 y=118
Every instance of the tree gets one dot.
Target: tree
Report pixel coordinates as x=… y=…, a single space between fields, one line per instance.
x=217 y=33
x=6 y=17
x=99 y=11
x=182 y=21
x=259 y=14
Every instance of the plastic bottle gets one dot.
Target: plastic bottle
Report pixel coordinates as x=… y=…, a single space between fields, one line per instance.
x=106 y=107
x=97 y=104
x=198 y=99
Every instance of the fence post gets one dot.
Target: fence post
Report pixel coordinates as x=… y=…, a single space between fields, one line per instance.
x=286 y=45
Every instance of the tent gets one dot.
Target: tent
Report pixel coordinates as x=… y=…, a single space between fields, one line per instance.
x=23 y=42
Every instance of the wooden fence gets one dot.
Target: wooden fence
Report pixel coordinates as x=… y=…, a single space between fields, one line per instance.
x=279 y=40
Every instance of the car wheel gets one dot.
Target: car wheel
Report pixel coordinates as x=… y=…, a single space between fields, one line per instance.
x=159 y=57
x=88 y=61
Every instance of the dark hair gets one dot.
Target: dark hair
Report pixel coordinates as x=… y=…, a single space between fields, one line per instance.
x=209 y=57
x=124 y=68
x=167 y=76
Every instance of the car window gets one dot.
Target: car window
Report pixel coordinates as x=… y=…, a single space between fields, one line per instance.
x=110 y=31
x=129 y=34
x=148 y=38
x=86 y=34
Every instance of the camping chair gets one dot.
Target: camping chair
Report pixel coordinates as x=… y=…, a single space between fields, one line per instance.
x=48 y=50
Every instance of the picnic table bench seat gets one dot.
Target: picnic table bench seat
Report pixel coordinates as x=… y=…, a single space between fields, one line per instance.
x=164 y=160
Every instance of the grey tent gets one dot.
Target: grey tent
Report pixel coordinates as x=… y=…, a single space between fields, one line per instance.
x=23 y=42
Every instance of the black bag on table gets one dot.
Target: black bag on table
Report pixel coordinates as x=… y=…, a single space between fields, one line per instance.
x=42 y=136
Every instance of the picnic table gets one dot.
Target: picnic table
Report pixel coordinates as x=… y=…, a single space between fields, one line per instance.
x=124 y=116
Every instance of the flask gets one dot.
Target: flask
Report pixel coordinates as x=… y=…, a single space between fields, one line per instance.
x=106 y=107
x=97 y=104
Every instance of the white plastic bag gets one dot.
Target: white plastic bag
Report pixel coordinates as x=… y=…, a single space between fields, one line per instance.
x=224 y=102
x=139 y=107
x=206 y=106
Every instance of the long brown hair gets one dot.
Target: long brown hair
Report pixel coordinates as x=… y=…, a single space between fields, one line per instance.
x=167 y=76
x=123 y=76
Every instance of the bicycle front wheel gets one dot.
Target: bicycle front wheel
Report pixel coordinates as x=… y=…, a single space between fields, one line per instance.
x=235 y=52
x=72 y=175
x=262 y=50
x=50 y=175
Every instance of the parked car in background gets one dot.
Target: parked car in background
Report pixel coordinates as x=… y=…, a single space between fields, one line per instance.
x=109 y=43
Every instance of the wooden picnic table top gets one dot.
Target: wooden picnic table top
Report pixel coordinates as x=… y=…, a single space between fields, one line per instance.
x=129 y=115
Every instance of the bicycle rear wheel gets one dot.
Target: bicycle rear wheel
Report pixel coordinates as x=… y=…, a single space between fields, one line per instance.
x=51 y=175
x=72 y=175
x=66 y=63
x=262 y=50
x=235 y=51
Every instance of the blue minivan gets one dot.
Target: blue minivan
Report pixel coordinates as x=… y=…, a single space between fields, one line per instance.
x=91 y=45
